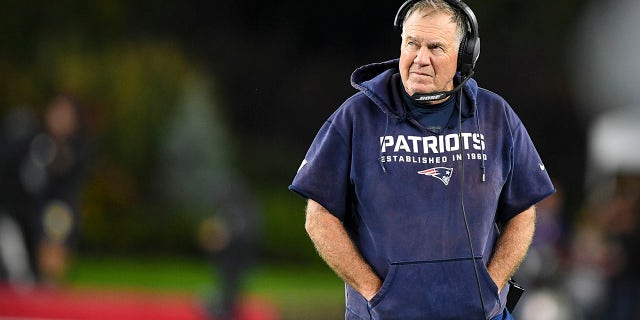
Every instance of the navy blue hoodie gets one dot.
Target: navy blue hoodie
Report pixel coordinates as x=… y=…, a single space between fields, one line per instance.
x=399 y=190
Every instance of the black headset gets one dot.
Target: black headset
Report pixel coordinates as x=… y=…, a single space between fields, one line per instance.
x=470 y=45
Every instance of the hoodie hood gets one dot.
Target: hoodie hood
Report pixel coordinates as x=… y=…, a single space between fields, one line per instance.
x=381 y=83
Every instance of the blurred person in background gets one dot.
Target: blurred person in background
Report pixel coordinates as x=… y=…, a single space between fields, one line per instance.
x=230 y=237
x=16 y=259
x=394 y=174
x=604 y=262
x=41 y=180
x=622 y=232
x=198 y=178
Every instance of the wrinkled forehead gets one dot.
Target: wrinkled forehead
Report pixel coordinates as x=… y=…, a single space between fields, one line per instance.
x=425 y=9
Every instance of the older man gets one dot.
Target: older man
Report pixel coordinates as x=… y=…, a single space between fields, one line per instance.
x=421 y=186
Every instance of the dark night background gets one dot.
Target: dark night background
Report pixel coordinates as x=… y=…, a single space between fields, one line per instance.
x=239 y=89
x=285 y=67
x=277 y=70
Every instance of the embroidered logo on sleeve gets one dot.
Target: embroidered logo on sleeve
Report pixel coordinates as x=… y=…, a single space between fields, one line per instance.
x=304 y=162
x=541 y=166
x=441 y=173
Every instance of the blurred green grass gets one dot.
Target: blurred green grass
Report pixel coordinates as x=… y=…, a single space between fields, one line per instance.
x=298 y=292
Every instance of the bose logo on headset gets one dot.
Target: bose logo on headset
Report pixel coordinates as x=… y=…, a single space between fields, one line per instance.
x=470 y=45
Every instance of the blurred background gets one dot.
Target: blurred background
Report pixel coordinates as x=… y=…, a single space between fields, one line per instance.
x=147 y=147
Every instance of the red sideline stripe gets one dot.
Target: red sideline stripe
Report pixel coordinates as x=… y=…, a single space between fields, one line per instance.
x=86 y=304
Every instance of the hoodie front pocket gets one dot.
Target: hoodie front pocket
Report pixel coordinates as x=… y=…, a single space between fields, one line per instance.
x=435 y=289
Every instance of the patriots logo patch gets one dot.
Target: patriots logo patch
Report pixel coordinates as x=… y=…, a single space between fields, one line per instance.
x=441 y=173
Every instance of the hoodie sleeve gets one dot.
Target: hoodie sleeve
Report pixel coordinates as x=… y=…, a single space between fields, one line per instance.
x=528 y=181
x=324 y=173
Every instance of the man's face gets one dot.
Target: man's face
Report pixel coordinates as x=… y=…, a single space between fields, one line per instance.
x=429 y=52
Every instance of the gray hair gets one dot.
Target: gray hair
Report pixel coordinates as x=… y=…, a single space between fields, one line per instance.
x=457 y=16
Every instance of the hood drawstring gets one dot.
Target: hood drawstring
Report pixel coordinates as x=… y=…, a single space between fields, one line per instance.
x=381 y=158
x=482 y=164
x=482 y=167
